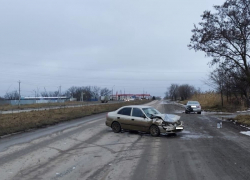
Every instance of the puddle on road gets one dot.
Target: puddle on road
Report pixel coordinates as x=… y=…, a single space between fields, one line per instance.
x=220 y=115
x=188 y=135
x=196 y=136
x=167 y=102
x=185 y=132
x=178 y=112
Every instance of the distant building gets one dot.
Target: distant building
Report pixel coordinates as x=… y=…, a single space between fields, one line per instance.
x=120 y=97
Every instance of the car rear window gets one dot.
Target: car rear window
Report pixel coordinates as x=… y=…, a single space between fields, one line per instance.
x=125 y=111
x=193 y=102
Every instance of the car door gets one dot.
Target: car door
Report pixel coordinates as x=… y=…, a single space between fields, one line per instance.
x=139 y=121
x=124 y=117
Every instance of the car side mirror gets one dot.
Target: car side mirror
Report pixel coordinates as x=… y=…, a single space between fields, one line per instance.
x=143 y=116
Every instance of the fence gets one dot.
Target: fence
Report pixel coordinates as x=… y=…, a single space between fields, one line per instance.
x=33 y=101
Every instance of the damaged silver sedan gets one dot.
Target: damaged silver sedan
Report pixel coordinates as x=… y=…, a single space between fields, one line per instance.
x=145 y=119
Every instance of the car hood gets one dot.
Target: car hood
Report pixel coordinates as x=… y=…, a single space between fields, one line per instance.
x=168 y=117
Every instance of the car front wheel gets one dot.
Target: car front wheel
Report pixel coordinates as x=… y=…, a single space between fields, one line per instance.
x=116 y=127
x=154 y=130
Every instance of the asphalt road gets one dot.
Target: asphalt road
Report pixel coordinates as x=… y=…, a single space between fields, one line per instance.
x=86 y=149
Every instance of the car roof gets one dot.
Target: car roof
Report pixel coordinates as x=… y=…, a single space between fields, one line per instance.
x=139 y=106
x=193 y=102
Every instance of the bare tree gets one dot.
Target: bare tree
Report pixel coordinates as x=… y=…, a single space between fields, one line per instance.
x=87 y=92
x=224 y=35
x=105 y=92
x=14 y=95
x=167 y=95
x=186 y=91
x=95 y=91
x=72 y=91
x=44 y=94
x=229 y=82
x=53 y=93
x=183 y=91
x=173 y=91
x=217 y=80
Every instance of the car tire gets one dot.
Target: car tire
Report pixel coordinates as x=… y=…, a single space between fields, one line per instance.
x=154 y=130
x=116 y=127
x=198 y=112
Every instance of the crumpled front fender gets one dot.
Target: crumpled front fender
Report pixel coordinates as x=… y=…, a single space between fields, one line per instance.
x=157 y=121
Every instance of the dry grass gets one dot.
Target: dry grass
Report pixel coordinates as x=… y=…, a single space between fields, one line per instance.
x=44 y=105
x=11 y=123
x=243 y=119
x=212 y=101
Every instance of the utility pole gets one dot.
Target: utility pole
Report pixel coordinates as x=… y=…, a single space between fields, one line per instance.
x=82 y=93
x=35 y=95
x=19 y=94
x=112 y=93
x=59 y=93
x=46 y=94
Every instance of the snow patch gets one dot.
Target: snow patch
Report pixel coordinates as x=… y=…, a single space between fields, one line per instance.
x=245 y=132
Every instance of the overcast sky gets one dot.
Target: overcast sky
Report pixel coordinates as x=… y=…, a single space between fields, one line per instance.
x=127 y=45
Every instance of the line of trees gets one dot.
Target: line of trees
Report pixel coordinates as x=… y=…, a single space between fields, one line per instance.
x=88 y=92
x=180 y=92
x=12 y=95
x=231 y=84
x=224 y=36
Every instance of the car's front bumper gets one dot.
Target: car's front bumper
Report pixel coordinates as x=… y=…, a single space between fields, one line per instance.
x=171 y=128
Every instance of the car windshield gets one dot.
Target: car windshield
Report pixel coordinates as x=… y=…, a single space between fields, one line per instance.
x=150 y=111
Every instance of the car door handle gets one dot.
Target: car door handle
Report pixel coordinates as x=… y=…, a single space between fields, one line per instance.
x=118 y=117
x=132 y=119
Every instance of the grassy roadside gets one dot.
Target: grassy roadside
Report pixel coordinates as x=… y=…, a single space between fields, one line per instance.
x=212 y=102
x=45 y=105
x=11 y=123
x=243 y=119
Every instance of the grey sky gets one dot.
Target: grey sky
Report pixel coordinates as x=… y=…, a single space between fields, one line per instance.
x=129 y=45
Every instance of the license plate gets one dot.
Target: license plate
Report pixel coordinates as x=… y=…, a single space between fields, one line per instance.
x=193 y=106
x=179 y=128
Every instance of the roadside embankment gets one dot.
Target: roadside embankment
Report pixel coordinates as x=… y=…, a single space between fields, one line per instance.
x=16 y=122
x=46 y=105
x=243 y=119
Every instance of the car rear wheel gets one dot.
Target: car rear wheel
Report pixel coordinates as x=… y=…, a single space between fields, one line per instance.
x=198 y=112
x=116 y=127
x=154 y=131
